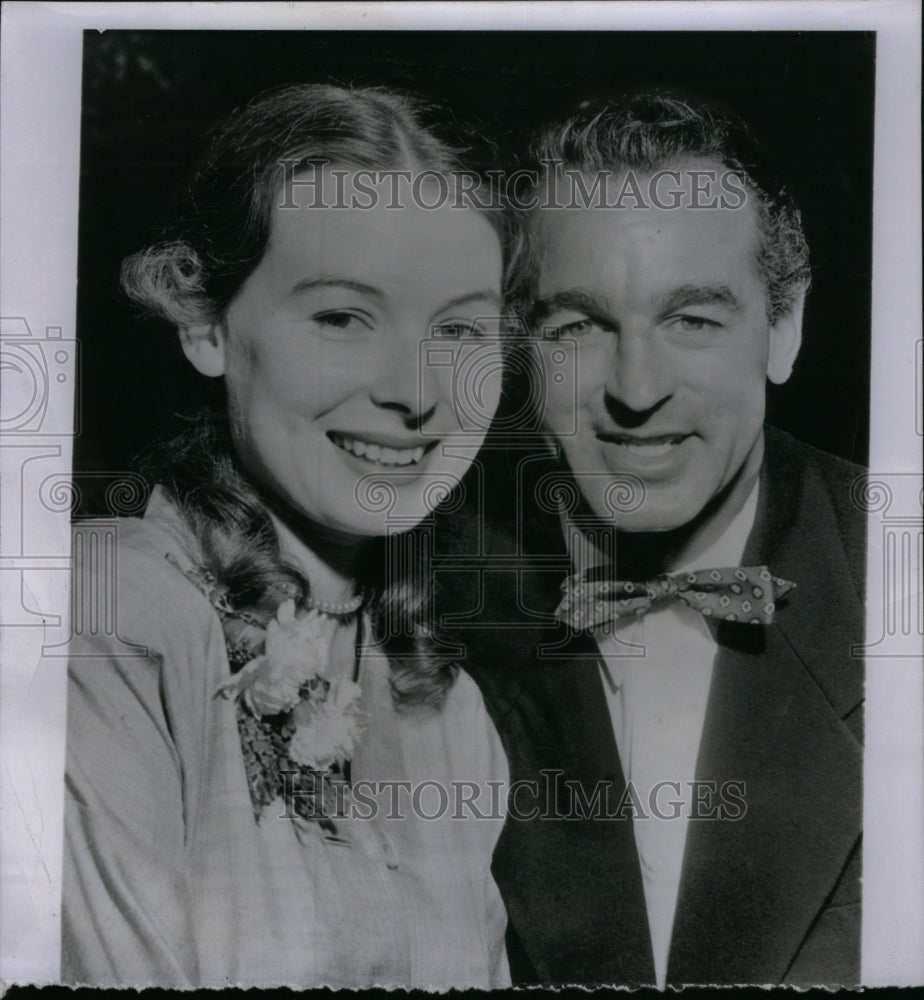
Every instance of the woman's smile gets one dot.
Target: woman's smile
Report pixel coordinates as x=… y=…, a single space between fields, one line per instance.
x=374 y=450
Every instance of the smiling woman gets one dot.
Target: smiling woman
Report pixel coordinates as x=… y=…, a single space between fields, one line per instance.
x=322 y=349
x=272 y=648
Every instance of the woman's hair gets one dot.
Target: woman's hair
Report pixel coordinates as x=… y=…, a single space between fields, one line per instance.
x=192 y=276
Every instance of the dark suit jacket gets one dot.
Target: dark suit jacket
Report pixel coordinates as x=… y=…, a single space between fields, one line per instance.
x=772 y=897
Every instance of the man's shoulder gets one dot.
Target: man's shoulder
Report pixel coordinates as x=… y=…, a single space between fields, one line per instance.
x=812 y=530
x=782 y=449
x=808 y=475
x=814 y=502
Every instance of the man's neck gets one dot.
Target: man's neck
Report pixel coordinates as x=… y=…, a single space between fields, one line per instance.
x=643 y=555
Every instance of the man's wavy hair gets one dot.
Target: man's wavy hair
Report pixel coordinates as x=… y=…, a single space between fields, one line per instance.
x=191 y=276
x=646 y=130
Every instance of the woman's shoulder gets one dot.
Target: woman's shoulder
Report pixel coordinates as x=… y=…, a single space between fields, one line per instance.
x=137 y=573
x=160 y=530
x=471 y=729
x=456 y=739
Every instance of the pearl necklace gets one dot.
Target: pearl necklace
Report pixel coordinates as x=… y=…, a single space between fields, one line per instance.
x=336 y=609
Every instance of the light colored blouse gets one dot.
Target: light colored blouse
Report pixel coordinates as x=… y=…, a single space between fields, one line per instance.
x=169 y=880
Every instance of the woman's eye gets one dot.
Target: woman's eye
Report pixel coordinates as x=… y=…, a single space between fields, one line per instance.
x=457 y=330
x=338 y=319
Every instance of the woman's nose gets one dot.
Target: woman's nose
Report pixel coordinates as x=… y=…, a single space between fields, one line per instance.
x=403 y=381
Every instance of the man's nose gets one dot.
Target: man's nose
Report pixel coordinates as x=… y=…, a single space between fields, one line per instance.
x=638 y=379
x=402 y=382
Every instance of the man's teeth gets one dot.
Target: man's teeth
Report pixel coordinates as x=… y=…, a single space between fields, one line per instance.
x=377 y=453
x=653 y=448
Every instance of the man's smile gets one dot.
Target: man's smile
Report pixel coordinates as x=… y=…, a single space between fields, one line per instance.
x=647 y=446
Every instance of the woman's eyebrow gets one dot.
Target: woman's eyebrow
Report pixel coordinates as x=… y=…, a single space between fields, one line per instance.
x=323 y=282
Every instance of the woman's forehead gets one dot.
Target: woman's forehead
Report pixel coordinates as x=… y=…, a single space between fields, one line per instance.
x=408 y=248
x=347 y=186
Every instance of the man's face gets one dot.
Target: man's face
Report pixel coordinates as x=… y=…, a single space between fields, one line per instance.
x=663 y=318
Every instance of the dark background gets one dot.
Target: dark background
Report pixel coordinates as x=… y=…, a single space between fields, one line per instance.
x=148 y=97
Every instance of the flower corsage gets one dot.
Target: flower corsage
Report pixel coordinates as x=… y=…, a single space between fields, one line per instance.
x=299 y=721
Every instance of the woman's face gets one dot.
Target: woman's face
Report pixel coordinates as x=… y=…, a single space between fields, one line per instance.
x=362 y=360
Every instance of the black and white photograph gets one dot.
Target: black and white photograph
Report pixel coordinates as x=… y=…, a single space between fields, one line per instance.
x=462 y=496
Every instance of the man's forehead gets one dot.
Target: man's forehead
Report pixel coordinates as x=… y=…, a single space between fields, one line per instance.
x=701 y=175
x=684 y=232
x=649 y=246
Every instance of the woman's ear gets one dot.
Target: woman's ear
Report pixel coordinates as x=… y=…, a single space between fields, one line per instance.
x=204 y=345
x=785 y=341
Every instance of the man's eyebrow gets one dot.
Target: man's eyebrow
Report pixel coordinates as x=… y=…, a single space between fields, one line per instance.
x=698 y=295
x=323 y=282
x=574 y=298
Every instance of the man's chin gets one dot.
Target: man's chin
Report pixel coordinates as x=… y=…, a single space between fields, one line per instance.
x=637 y=508
x=652 y=524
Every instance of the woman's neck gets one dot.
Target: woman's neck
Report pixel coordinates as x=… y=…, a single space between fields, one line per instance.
x=329 y=558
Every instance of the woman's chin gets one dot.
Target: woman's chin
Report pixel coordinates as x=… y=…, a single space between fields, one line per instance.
x=397 y=499
x=355 y=497
x=385 y=506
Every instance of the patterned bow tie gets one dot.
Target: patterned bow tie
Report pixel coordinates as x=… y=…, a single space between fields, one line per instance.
x=746 y=594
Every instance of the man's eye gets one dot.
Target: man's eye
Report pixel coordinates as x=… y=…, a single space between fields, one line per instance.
x=338 y=319
x=457 y=330
x=576 y=328
x=695 y=324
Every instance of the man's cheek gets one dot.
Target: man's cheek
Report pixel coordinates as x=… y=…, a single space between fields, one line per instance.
x=559 y=410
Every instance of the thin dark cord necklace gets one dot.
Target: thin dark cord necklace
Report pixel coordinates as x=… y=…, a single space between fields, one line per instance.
x=358 y=642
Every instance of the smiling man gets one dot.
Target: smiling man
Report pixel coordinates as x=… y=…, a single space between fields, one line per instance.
x=667 y=318
x=689 y=726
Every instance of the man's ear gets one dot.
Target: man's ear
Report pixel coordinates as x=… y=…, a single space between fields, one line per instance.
x=204 y=345
x=785 y=341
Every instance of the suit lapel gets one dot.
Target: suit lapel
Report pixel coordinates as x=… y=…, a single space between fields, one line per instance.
x=752 y=887
x=572 y=888
x=582 y=918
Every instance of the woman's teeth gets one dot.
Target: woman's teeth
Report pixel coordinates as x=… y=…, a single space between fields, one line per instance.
x=378 y=453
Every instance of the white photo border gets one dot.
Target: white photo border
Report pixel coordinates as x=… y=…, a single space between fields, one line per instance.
x=42 y=46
